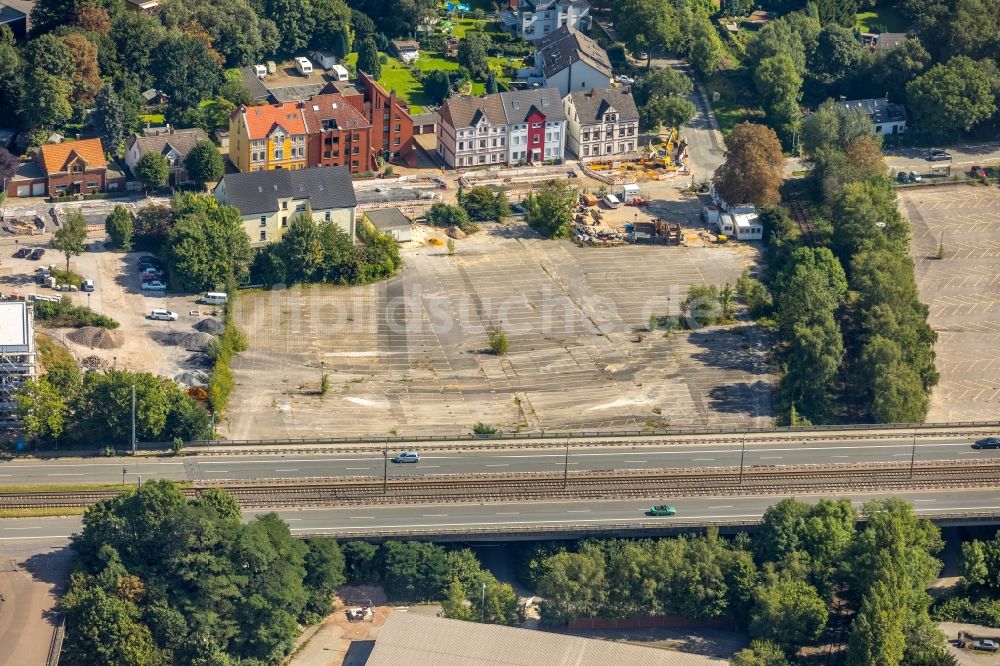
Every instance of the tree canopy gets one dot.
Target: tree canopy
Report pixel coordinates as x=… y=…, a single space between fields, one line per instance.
x=754 y=168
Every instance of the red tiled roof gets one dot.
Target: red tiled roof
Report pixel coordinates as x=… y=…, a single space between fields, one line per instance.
x=56 y=156
x=333 y=107
x=261 y=120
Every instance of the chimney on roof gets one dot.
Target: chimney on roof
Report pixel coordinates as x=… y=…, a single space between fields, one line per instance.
x=170 y=128
x=592 y=92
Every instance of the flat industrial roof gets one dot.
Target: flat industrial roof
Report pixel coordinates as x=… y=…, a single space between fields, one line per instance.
x=15 y=333
x=408 y=638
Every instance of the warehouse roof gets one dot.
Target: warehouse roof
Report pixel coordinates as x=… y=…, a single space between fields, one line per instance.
x=408 y=638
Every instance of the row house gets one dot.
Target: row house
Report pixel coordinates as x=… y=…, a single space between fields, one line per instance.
x=519 y=127
x=601 y=124
x=391 y=122
x=338 y=134
x=262 y=138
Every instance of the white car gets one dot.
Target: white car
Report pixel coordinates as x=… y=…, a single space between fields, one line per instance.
x=163 y=315
x=407 y=457
x=622 y=78
x=153 y=285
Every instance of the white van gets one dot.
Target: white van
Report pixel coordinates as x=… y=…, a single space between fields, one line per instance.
x=214 y=298
x=611 y=201
x=304 y=67
x=339 y=72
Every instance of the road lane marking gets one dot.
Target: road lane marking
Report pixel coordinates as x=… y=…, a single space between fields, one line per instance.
x=19 y=538
x=925 y=500
x=771 y=458
x=578 y=511
x=501 y=465
x=428 y=466
x=508 y=513
x=357 y=468
x=63 y=474
x=286 y=470
x=702 y=459
x=218 y=471
x=362 y=517
x=434 y=515
x=638 y=461
x=727 y=506
x=37 y=527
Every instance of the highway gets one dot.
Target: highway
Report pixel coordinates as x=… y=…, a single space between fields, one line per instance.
x=590 y=517
x=507 y=460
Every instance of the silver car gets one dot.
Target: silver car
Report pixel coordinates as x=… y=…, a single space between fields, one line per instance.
x=163 y=315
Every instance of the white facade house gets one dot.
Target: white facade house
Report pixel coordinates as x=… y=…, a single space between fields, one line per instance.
x=888 y=118
x=601 y=124
x=518 y=127
x=569 y=61
x=535 y=19
x=269 y=199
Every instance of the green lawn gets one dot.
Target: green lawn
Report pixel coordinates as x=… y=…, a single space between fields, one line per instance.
x=155 y=119
x=395 y=76
x=735 y=103
x=886 y=16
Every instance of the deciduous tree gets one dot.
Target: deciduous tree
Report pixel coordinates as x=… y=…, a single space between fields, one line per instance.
x=789 y=613
x=71 y=237
x=754 y=168
x=153 y=171
x=118 y=226
x=951 y=98
x=204 y=163
x=549 y=210
x=41 y=410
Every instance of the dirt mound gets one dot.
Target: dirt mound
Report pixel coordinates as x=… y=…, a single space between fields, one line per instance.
x=212 y=326
x=93 y=336
x=456 y=233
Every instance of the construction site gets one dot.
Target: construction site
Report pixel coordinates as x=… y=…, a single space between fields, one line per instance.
x=661 y=162
x=17 y=352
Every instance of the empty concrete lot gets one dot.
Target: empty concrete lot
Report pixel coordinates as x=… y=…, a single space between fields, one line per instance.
x=963 y=293
x=411 y=355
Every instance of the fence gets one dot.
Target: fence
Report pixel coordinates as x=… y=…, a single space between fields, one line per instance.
x=55 y=645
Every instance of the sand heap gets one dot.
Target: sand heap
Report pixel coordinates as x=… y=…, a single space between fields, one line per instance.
x=94 y=336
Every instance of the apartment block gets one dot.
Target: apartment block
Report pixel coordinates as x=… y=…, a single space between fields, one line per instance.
x=601 y=124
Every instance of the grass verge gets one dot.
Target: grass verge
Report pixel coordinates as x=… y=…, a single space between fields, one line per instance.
x=76 y=487
x=885 y=17
x=43 y=511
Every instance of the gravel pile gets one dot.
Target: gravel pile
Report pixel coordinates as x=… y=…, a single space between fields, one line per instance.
x=212 y=326
x=192 y=378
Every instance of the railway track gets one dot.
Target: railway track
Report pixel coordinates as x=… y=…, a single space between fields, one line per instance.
x=582 y=485
x=804 y=222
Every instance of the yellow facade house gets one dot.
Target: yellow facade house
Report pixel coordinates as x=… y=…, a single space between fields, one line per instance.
x=267 y=137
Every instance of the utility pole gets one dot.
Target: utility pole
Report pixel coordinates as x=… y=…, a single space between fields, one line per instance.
x=913 y=454
x=743 y=452
x=483 y=604
x=385 y=468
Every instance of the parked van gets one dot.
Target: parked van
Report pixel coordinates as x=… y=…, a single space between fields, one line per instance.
x=214 y=298
x=339 y=72
x=304 y=67
x=611 y=201
x=88 y=285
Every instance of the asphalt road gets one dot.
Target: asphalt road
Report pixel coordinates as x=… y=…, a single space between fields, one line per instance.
x=640 y=457
x=48 y=532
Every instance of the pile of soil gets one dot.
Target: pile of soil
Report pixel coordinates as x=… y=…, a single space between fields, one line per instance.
x=456 y=233
x=93 y=336
x=212 y=326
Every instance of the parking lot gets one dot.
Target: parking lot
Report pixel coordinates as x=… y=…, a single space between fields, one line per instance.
x=411 y=355
x=963 y=293
x=144 y=344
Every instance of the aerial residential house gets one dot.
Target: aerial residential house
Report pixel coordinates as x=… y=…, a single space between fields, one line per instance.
x=536 y=125
x=391 y=222
x=267 y=200
x=144 y=6
x=888 y=118
x=535 y=19
x=569 y=60
x=407 y=50
x=338 y=135
x=173 y=144
x=267 y=137
x=601 y=124
x=59 y=169
x=14 y=19
x=472 y=131
x=526 y=126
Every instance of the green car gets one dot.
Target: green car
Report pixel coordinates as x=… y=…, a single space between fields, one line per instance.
x=661 y=510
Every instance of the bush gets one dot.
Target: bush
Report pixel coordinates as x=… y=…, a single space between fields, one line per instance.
x=485 y=429
x=982 y=611
x=66 y=315
x=232 y=341
x=445 y=215
x=753 y=293
x=498 y=341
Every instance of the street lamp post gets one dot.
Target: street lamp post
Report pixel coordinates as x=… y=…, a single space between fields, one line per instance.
x=483 y=604
x=913 y=452
x=566 y=466
x=385 y=468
